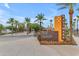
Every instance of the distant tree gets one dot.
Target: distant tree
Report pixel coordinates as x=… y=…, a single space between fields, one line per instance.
x=35 y=27
x=16 y=24
x=11 y=21
x=27 y=23
x=77 y=23
x=11 y=28
x=40 y=18
x=73 y=25
x=67 y=31
x=21 y=27
x=1 y=28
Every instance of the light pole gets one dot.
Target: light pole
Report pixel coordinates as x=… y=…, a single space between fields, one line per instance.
x=51 y=25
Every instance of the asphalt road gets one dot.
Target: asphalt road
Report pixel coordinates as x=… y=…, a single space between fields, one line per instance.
x=28 y=45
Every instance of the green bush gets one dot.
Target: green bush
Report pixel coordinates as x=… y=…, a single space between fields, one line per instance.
x=35 y=27
x=1 y=28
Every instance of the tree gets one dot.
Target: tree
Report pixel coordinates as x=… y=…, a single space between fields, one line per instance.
x=35 y=27
x=11 y=21
x=40 y=17
x=77 y=23
x=73 y=25
x=1 y=28
x=71 y=11
x=67 y=31
x=10 y=28
x=27 y=22
x=16 y=24
x=20 y=27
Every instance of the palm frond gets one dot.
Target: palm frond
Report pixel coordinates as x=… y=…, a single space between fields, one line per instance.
x=44 y=19
x=8 y=22
x=64 y=7
x=36 y=20
x=62 y=4
x=27 y=20
x=77 y=16
x=77 y=9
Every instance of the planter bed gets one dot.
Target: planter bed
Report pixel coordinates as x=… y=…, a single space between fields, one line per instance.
x=48 y=38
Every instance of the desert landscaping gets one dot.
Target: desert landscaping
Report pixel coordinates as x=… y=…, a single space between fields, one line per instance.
x=39 y=29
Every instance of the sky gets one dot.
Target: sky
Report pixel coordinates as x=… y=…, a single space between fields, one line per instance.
x=21 y=10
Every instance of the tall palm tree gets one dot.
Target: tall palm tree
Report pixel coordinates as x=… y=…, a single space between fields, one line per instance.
x=16 y=24
x=27 y=22
x=40 y=17
x=11 y=21
x=77 y=23
x=71 y=11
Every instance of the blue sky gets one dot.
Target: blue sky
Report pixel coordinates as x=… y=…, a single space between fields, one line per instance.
x=21 y=10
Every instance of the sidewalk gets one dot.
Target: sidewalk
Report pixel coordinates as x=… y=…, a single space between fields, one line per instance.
x=76 y=39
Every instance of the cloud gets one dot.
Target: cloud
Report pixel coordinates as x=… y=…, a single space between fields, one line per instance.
x=19 y=18
x=22 y=19
x=3 y=13
x=2 y=21
x=6 y=5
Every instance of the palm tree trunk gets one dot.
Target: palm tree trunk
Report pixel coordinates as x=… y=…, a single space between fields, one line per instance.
x=70 y=26
x=71 y=15
x=12 y=28
x=27 y=28
x=40 y=26
x=16 y=28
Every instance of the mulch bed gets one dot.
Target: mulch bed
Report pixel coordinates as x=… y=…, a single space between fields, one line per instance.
x=46 y=42
x=43 y=39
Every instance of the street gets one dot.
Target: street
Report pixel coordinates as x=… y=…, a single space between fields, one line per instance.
x=27 y=45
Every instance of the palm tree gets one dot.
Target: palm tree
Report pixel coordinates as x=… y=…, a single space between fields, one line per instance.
x=40 y=17
x=71 y=11
x=11 y=21
x=16 y=24
x=27 y=22
x=21 y=27
x=77 y=23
